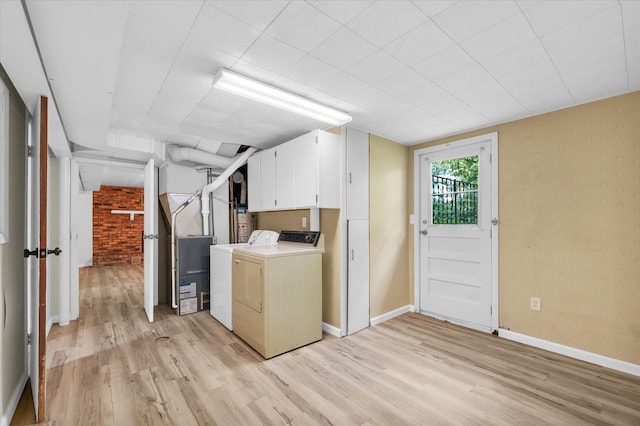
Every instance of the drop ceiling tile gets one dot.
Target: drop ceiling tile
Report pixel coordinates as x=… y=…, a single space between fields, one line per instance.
x=630 y=14
x=445 y=63
x=529 y=75
x=375 y=67
x=311 y=70
x=175 y=15
x=604 y=25
x=549 y=16
x=465 y=79
x=500 y=38
x=420 y=43
x=223 y=32
x=272 y=54
x=341 y=10
x=423 y=94
x=208 y=145
x=437 y=107
x=151 y=38
x=170 y=110
x=591 y=72
x=543 y=96
x=141 y=71
x=302 y=26
x=487 y=89
x=187 y=84
x=258 y=14
x=344 y=86
x=527 y=4
x=433 y=8
x=467 y=18
x=522 y=56
x=205 y=59
x=403 y=82
x=343 y=49
x=632 y=44
x=398 y=18
x=500 y=108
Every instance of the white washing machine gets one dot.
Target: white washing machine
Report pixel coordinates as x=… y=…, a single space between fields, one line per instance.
x=220 y=273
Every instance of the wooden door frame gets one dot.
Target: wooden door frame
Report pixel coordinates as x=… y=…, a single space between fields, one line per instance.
x=495 y=295
x=43 y=150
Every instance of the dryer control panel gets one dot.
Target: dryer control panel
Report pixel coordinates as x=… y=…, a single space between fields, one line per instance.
x=299 y=237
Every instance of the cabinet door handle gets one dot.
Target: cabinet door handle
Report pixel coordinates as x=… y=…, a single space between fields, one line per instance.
x=353 y=254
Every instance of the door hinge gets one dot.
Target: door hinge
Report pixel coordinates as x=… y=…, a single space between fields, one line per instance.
x=276 y=202
x=275 y=154
x=316 y=139
x=491 y=310
x=29 y=151
x=490 y=158
x=316 y=198
x=28 y=338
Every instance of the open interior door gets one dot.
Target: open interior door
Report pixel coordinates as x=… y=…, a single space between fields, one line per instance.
x=150 y=238
x=36 y=254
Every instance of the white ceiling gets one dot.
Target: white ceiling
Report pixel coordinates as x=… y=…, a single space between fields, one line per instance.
x=410 y=71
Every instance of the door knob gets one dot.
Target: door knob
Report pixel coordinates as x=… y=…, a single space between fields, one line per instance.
x=56 y=251
x=28 y=252
x=424 y=232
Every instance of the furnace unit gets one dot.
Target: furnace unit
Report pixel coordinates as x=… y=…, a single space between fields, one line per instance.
x=193 y=274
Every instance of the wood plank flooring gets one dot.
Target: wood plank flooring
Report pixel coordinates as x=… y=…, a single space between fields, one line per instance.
x=113 y=367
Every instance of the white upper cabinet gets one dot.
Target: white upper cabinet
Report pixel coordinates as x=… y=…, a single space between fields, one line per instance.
x=253 y=181
x=284 y=176
x=267 y=185
x=317 y=170
x=357 y=174
x=301 y=173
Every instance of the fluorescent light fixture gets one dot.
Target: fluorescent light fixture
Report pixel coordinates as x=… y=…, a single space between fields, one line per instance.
x=261 y=92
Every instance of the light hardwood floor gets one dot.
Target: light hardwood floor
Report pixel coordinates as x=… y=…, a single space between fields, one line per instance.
x=113 y=367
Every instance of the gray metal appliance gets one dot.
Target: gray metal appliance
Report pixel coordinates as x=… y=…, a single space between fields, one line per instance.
x=193 y=274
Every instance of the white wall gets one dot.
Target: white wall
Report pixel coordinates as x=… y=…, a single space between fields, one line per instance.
x=53 y=240
x=83 y=230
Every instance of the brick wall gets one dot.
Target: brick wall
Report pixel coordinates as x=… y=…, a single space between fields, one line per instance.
x=116 y=238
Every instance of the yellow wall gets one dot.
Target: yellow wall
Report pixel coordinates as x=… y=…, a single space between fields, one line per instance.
x=569 y=207
x=331 y=260
x=388 y=222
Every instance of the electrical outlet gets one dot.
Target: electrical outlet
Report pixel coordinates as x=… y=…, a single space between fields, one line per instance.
x=535 y=303
x=304 y=221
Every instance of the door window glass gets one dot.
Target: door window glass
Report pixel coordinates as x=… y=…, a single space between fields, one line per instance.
x=454 y=199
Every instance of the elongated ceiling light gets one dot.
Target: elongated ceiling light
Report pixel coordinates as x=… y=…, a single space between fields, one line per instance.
x=261 y=92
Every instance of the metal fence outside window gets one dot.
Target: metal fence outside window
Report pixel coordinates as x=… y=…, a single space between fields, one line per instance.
x=454 y=202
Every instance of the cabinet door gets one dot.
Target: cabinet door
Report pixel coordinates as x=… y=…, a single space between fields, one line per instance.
x=305 y=149
x=268 y=180
x=284 y=176
x=358 y=276
x=357 y=174
x=253 y=182
x=330 y=170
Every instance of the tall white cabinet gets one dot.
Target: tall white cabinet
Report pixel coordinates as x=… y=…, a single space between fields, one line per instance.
x=357 y=212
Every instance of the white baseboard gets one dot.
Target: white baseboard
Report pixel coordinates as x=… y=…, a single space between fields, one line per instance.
x=52 y=320
x=10 y=409
x=392 y=314
x=328 y=328
x=601 y=360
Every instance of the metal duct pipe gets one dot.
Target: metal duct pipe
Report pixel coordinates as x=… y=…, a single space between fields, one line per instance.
x=179 y=154
x=174 y=304
x=219 y=181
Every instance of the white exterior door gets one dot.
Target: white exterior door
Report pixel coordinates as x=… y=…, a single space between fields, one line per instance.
x=150 y=238
x=454 y=234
